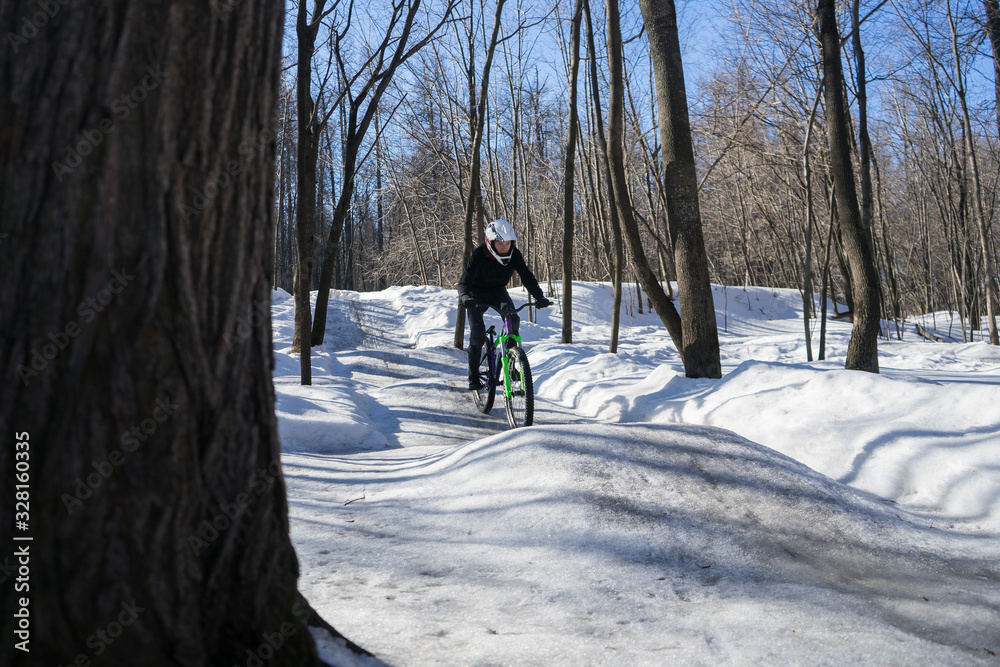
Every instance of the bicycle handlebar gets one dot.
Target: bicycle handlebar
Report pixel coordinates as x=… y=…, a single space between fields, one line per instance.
x=518 y=309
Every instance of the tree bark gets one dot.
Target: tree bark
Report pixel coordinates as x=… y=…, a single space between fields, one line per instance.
x=621 y=200
x=700 y=336
x=305 y=170
x=862 y=351
x=864 y=141
x=135 y=310
x=617 y=256
x=569 y=205
x=807 y=290
x=993 y=32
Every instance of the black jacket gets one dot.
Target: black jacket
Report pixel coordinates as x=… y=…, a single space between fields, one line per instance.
x=484 y=274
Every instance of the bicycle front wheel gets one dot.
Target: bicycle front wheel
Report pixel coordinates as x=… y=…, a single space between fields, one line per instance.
x=521 y=399
x=485 y=396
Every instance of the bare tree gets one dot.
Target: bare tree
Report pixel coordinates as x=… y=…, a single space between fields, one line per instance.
x=310 y=128
x=699 y=338
x=807 y=292
x=862 y=352
x=607 y=170
x=137 y=353
x=569 y=200
x=993 y=33
x=380 y=71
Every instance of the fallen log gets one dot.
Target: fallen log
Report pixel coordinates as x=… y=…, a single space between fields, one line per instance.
x=929 y=336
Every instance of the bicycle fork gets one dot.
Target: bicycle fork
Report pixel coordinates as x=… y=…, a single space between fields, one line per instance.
x=505 y=358
x=499 y=371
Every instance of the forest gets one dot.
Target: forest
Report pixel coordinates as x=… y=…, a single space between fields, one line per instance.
x=392 y=110
x=166 y=170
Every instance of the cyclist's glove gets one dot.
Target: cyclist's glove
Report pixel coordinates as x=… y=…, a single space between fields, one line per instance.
x=542 y=303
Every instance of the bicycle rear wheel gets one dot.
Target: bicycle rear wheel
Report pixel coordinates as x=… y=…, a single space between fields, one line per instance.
x=485 y=396
x=521 y=401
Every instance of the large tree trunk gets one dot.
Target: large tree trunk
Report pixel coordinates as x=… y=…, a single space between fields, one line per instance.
x=700 y=336
x=136 y=346
x=862 y=351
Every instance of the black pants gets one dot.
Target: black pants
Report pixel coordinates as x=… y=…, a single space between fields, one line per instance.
x=496 y=300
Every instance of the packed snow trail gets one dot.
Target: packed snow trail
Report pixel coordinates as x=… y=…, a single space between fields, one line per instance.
x=629 y=545
x=418 y=395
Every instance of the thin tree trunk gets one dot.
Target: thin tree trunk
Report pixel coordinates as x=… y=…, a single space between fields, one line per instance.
x=890 y=262
x=281 y=177
x=993 y=32
x=807 y=295
x=568 y=190
x=618 y=257
x=421 y=265
x=379 y=207
x=832 y=207
x=137 y=338
x=468 y=244
x=864 y=141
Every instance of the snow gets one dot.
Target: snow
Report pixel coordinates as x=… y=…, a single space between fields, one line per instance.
x=790 y=511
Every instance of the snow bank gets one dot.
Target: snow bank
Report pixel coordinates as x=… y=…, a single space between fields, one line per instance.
x=918 y=443
x=627 y=544
x=325 y=418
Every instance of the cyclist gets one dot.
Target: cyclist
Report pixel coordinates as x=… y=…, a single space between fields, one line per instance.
x=484 y=284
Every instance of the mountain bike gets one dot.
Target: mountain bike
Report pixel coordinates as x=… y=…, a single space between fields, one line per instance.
x=505 y=365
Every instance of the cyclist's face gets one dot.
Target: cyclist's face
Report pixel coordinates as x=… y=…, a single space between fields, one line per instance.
x=503 y=247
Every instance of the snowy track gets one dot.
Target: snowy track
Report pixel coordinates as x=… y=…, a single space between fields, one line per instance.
x=418 y=394
x=627 y=529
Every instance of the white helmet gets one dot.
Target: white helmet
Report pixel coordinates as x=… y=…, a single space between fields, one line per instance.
x=500 y=230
